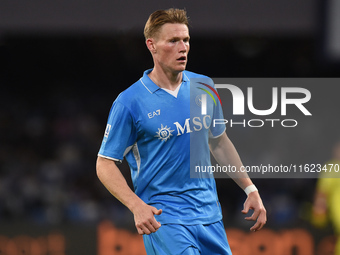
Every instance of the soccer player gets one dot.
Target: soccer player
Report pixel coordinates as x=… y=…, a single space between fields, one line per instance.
x=150 y=124
x=327 y=196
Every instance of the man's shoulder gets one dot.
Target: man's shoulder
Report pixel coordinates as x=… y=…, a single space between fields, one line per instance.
x=190 y=74
x=200 y=78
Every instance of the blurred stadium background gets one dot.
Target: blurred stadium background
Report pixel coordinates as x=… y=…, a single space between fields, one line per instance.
x=62 y=64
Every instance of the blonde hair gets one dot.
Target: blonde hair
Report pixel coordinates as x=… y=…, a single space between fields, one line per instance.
x=159 y=18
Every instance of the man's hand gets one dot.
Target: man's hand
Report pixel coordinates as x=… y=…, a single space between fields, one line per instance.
x=145 y=221
x=254 y=202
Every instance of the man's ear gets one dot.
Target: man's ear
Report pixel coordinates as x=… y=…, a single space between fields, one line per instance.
x=150 y=43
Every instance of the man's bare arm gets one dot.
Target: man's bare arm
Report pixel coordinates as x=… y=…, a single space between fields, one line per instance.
x=112 y=178
x=225 y=154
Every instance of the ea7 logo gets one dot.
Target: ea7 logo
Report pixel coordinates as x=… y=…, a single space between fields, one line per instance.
x=154 y=113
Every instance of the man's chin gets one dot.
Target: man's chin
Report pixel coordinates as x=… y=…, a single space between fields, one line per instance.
x=181 y=68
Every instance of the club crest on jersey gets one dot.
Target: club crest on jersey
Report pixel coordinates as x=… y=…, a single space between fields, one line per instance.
x=164 y=133
x=198 y=100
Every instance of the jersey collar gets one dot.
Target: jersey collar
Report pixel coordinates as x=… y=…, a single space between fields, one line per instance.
x=150 y=85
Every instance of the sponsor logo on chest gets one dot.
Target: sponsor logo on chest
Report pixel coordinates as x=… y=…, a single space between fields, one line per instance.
x=195 y=124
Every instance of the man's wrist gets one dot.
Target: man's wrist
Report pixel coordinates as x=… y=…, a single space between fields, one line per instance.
x=135 y=203
x=250 y=188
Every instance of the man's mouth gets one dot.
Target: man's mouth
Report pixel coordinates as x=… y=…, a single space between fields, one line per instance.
x=184 y=58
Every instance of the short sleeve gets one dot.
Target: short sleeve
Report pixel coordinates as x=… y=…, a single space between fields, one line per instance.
x=120 y=133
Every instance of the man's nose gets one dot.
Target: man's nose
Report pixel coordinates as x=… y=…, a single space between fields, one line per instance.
x=182 y=46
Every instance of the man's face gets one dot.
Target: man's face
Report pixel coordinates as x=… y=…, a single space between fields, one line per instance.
x=172 y=47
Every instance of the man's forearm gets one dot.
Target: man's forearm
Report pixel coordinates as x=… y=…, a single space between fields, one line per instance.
x=225 y=154
x=111 y=177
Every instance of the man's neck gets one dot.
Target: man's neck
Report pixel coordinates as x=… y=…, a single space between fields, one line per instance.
x=166 y=80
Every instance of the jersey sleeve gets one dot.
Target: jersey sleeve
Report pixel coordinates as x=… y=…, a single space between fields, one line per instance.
x=120 y=133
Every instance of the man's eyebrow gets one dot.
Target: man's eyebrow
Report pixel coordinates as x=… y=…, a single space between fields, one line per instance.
x=179 y=38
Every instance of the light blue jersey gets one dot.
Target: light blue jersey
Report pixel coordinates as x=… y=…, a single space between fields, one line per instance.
x=152 y=129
